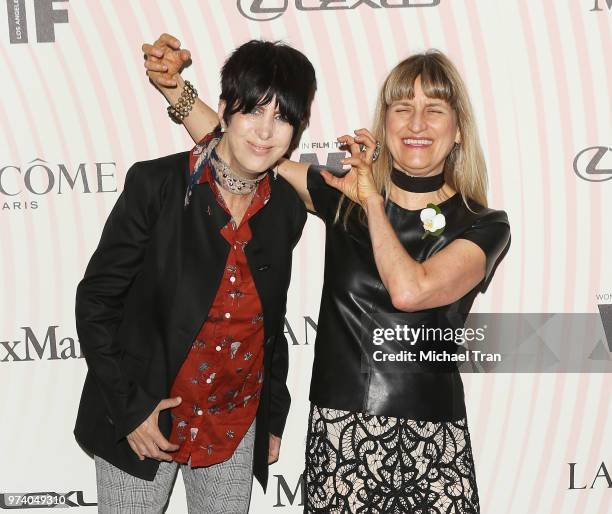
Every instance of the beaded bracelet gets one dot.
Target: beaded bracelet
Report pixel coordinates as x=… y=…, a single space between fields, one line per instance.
x=179 y=111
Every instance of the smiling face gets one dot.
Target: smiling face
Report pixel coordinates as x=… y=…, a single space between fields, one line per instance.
x=254 y=141
x=420 y=133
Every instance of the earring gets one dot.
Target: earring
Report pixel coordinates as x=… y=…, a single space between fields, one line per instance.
x=223 y=128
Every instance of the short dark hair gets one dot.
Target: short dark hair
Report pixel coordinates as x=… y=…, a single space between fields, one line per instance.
x=258 y=70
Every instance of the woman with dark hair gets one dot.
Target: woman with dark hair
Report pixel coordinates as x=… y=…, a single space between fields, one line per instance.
x=179 y=320
x=409 y=237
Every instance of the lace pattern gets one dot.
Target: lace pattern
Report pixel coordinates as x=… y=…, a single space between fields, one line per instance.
x=359 y=463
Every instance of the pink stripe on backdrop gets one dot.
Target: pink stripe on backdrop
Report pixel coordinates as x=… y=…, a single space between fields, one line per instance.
x=83 y=128
x=316 y=127
x=163 y=126
x=103 y=106
x=566 y=147
x=8 y=241
x=544 y=168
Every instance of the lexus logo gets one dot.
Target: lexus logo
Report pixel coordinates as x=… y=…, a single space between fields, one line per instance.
x=588 y=165
x=267 y=10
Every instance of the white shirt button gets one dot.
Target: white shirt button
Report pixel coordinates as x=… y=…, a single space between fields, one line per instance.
x=200 y=412
x=232 y=279
x=218 y=348
x=228 y=315
x=208 y=380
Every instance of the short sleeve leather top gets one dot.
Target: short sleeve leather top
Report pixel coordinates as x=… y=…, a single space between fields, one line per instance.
x=344 y=375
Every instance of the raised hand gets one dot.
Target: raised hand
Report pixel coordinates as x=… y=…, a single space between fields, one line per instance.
x=358 y=184
x=147 y=440
x=164 y=60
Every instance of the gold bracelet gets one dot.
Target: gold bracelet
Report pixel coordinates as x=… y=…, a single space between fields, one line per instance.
x=181 y=109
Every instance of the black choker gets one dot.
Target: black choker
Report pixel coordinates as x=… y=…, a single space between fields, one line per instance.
x=417 y=184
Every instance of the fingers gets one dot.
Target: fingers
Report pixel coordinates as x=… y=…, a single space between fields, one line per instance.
x=168 y=403
x=162 y=443
x=135 y=449
x=164 y=80
x=354 y=162
x=349 y=141
x=363 y=136
x=330 y=179
x=152 y=51
x=168 y=40
x=154 y=64
x=151 y=443
x=185 y=55
x=365 y=133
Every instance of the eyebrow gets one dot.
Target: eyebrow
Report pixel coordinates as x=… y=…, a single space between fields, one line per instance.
x=428 y=104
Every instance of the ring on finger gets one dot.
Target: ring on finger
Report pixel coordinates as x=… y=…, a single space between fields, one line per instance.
x=376 y=152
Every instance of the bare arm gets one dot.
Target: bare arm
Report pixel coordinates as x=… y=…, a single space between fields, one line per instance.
x=413 y=285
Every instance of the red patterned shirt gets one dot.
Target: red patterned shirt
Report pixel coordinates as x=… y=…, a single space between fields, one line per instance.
x=220 y=381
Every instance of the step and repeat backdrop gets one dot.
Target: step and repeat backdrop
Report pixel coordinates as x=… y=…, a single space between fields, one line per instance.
x=77 y=110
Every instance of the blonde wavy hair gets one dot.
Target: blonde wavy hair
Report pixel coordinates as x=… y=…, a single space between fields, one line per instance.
x=464 y=168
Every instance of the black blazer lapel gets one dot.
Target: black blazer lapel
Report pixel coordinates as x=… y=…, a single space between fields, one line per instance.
x=204 y=254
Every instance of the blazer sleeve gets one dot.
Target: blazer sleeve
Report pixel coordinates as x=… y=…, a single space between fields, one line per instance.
x=101 y=295
x=325 y=199
x=280 y=398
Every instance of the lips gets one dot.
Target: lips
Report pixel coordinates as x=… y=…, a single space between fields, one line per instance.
x=417 y=143
x=259 y=149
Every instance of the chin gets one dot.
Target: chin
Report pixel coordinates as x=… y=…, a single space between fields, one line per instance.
x=255 y=168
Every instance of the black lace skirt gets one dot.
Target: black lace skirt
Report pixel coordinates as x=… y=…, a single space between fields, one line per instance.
x=358 y=463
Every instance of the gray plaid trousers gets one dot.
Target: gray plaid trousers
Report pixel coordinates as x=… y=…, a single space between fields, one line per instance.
x=223 y=487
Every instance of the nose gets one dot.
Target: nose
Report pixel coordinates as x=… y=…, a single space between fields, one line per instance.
x=265 y=126
x=417 y=121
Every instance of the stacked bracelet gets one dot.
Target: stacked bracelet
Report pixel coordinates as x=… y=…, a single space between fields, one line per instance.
x=182 y=108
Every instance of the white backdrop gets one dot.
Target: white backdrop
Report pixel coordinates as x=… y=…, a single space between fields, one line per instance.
x=77 y=110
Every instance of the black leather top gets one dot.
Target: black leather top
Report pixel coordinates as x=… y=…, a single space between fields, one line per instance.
x=344 y=375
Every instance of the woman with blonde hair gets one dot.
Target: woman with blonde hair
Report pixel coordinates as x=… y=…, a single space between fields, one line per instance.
x=410 y=242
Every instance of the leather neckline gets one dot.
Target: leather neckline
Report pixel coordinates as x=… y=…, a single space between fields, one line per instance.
x=442 y=204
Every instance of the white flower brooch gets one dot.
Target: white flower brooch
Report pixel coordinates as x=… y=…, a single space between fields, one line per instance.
x=433 y=220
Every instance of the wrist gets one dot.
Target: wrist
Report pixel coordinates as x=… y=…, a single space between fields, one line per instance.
x=372 y=202
x=181 y=108
x=172 y=94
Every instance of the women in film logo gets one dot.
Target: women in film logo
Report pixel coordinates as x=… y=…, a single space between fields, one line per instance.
x=267 y=10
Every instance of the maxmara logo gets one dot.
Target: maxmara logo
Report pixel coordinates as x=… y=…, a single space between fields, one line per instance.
x=46 y=16
x=266 y=10
x=33 y=345
x=594 y=163
x=39 y=177
x=289 y=494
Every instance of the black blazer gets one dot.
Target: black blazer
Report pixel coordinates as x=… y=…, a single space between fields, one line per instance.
x=146 y=292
